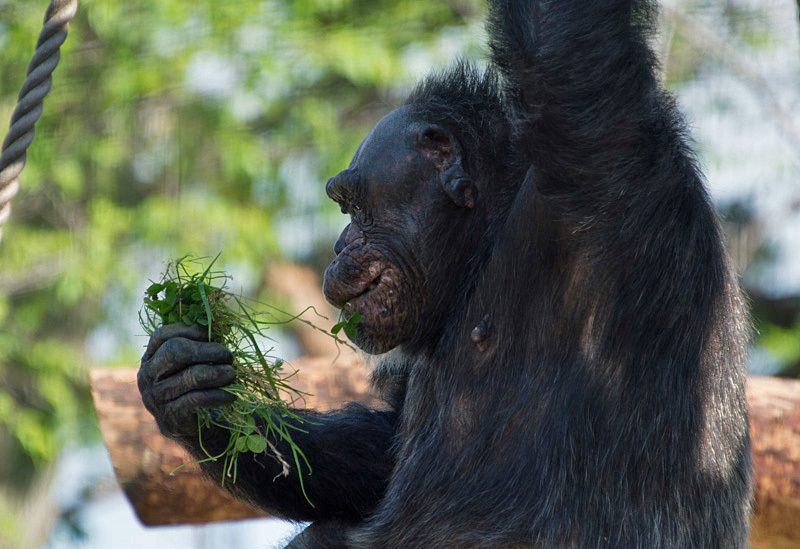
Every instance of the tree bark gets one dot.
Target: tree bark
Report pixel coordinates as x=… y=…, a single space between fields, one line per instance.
x=143 y=459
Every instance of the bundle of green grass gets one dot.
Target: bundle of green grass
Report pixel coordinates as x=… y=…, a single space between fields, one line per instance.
x=190 y=293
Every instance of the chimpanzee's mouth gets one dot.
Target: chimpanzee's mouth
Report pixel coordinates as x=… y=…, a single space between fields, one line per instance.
x=370 y=289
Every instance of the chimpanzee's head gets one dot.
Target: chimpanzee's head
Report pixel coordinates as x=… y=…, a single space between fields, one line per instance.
x=416 y=193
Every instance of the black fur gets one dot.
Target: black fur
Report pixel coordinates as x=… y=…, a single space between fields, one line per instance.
x=579 y=381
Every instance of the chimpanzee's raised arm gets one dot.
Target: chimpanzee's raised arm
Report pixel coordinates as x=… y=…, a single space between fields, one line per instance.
x=588 y=110
x=609 y=164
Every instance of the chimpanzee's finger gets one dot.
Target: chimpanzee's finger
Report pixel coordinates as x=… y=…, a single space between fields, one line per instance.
x=180 y=416
x=179 y=353
x=193 y=378
x=169 y=331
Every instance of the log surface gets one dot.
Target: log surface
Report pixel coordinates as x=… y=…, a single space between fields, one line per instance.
x=143 y=459
x=775 y=431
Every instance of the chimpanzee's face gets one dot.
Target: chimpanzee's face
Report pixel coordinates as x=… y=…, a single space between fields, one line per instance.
x=389 y=191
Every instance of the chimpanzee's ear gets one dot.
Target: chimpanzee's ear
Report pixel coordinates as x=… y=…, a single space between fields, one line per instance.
x=445 y=153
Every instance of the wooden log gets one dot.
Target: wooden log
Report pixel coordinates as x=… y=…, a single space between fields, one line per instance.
x=143 y=459
x=775 y=430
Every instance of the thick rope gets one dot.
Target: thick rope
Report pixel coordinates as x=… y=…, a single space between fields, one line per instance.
x=29 y=104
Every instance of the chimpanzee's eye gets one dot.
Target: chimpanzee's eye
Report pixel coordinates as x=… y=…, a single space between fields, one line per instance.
x=360 y=214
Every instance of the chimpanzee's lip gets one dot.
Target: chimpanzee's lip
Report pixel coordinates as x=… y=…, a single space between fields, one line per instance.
x=340 y=287
x=371 y=287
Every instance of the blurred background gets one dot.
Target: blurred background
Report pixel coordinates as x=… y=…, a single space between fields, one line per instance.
x=203 y=126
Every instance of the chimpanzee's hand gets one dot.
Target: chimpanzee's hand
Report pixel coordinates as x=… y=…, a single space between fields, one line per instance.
x=182 y=372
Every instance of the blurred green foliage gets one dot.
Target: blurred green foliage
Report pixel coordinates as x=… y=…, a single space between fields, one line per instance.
x=175 y=126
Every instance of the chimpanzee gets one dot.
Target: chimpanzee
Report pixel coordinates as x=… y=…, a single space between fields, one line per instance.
x=532 y=251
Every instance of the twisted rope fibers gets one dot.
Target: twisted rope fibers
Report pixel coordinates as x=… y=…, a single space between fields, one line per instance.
x=30 y=100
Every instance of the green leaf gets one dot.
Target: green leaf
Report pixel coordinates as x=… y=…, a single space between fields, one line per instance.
x=337 y=327
x=153 y=290
x=350 y=326
x=209 y=318
x=241 y=444
x=191 y=295
x=171 y=292
x=256 y=444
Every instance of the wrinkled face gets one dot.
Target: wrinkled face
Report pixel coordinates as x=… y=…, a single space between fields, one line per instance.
x=380 y=265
